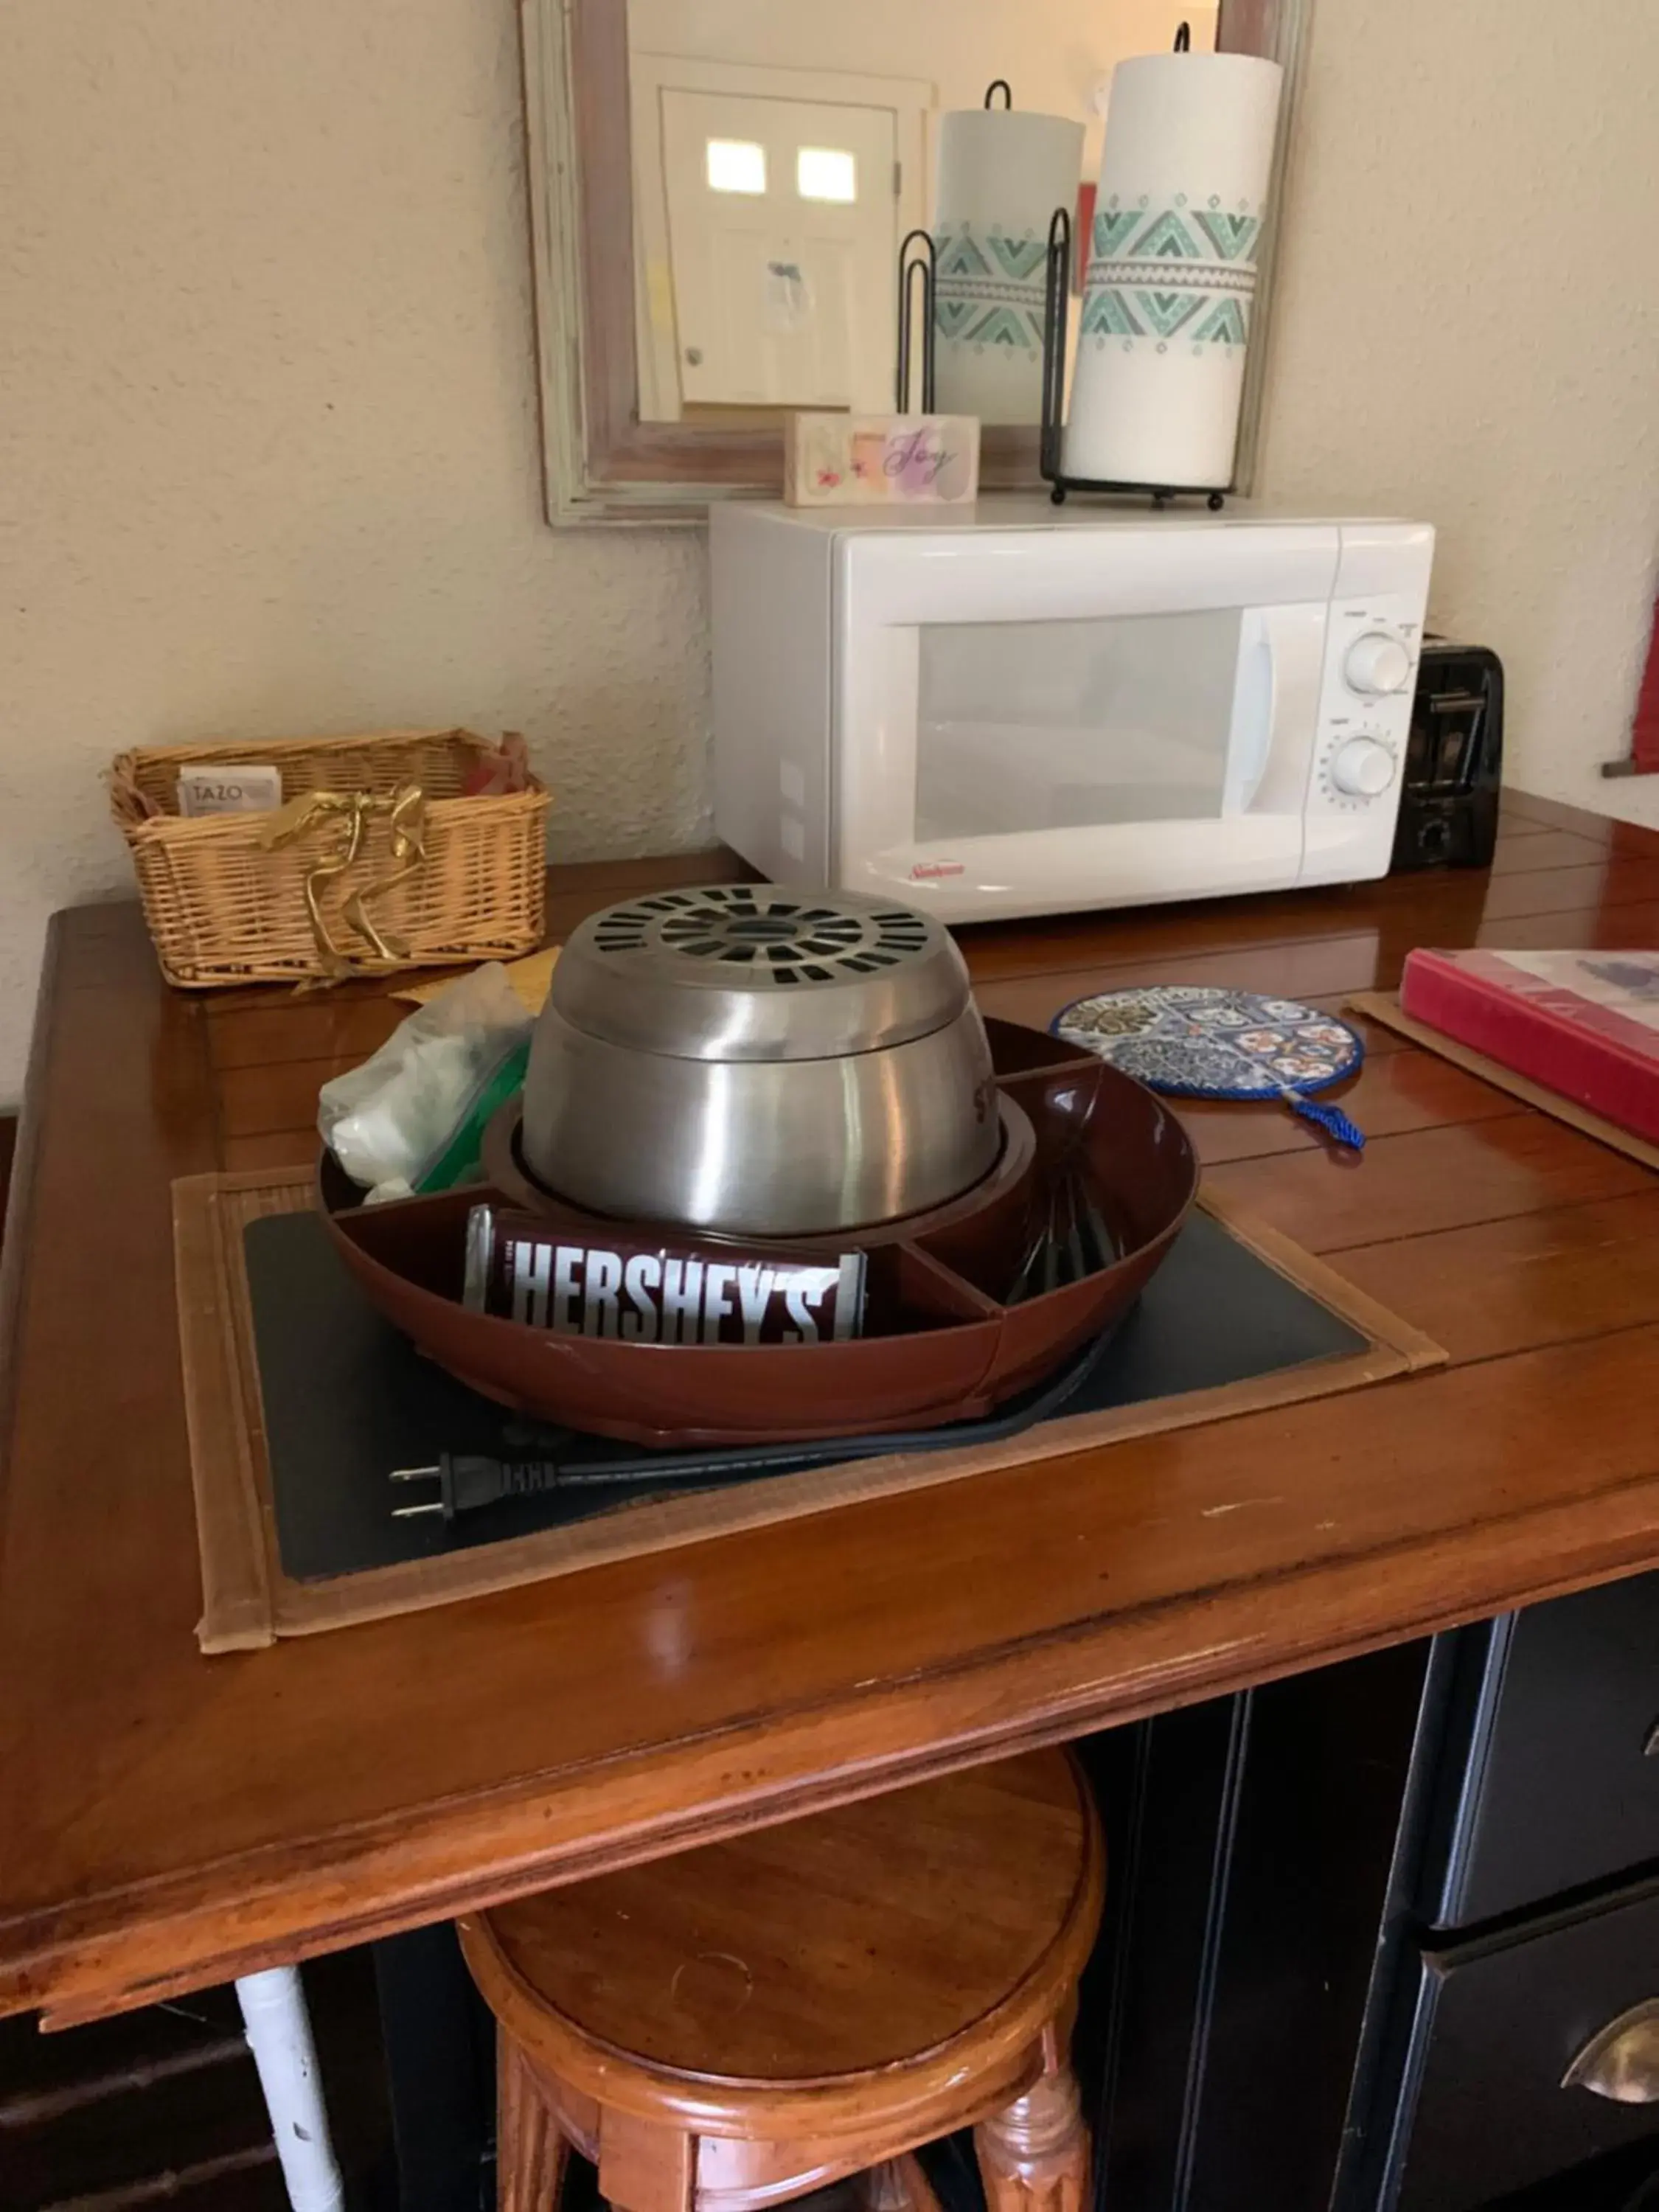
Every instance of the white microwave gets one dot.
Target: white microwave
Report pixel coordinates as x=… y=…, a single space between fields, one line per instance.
x=1015 y=710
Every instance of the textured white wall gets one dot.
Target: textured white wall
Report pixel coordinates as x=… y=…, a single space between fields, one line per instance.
x=268 y=443
x=1468 y=328
x=267 y=433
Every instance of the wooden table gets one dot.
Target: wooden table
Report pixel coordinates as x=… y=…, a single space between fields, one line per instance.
x=169 y=1820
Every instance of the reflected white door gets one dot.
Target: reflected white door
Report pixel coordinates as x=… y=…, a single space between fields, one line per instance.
x=783 y=239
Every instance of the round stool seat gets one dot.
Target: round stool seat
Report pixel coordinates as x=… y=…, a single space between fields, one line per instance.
x=885 y=1971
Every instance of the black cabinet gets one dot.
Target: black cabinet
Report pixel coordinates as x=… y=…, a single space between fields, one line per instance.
x=1361 y=1921
x=1558 y=1786
x=1497 y=2021
x=1250 y=1849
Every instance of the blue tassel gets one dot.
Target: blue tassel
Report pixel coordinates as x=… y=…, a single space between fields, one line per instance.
x=1331 y=1118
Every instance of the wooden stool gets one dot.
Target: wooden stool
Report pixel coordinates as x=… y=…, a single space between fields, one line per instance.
x=740 y=2024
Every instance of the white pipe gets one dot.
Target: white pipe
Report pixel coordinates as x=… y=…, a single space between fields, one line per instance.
x=279 y=2036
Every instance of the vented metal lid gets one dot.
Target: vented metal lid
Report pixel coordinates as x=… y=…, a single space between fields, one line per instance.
x=754 y=971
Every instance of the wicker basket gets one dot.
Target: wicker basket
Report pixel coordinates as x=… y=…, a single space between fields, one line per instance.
x=223 y=907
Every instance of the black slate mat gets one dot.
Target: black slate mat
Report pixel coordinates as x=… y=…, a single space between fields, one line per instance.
x=347 y=1399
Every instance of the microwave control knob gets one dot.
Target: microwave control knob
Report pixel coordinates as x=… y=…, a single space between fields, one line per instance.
x=1362 y=769
x=1376 y=664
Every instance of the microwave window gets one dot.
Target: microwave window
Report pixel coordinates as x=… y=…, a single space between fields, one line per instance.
x=1068 y=724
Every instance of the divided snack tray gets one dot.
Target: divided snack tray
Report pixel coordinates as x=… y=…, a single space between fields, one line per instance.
x=944 y=1342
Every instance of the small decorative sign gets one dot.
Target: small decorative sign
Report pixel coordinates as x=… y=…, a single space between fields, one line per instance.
x=863 y=461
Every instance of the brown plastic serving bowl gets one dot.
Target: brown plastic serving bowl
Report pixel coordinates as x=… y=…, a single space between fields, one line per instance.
x=950 y=1348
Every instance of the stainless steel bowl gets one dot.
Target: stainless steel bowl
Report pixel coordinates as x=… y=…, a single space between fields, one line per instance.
x=760 y=1062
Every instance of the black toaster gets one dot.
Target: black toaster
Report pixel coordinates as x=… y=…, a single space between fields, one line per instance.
x=1454 y=760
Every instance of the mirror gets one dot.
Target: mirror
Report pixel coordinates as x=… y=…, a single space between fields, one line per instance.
x=782 y=149
x=720 y=190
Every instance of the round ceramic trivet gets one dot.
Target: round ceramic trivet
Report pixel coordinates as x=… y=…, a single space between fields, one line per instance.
x=1195 y=1040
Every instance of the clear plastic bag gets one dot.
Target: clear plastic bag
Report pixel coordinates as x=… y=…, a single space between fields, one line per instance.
x=411 y=1117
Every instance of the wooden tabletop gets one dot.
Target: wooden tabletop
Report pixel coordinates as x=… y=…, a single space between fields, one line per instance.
x=167 y=1818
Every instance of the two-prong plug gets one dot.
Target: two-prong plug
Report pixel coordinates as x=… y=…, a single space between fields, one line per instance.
x=467 y=1480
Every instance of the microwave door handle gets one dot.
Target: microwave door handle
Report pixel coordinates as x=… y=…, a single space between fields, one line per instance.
x=1254 y=714
x=1275 y=706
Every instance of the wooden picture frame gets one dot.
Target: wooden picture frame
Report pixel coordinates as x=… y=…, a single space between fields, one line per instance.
x=600 y=462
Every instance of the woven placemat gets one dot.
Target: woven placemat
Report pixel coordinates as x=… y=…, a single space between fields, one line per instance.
x=248 y=1601
x=1384 y=1007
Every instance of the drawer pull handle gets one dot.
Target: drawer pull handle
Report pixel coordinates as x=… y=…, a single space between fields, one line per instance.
x=1620 y=2061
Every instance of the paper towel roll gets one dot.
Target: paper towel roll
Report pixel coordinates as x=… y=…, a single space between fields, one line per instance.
x=1002 y=175
x=1166 y=304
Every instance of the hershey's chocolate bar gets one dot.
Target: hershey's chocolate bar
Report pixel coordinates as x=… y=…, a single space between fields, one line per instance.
x=522 y=1267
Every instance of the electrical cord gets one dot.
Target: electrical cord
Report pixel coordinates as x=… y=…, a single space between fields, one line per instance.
x=467 y=1481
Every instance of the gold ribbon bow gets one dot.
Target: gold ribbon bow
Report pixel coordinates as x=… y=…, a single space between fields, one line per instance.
x=347 y=815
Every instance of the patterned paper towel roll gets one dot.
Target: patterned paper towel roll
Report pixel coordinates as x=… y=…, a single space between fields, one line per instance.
x=1166 y=304
x=1002 y=175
